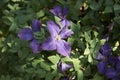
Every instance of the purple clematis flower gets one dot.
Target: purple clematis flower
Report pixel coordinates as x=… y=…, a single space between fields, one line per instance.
x=56 y=40
x=63 y=66
x=58 y=11
x=103 y=56
x=66 y=78
x=28 y=34
x=61 y=13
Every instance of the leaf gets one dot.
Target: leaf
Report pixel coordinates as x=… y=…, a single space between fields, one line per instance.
x=76 y=29
x=54 y=59
x=90 y=58
x=36 y=61
x=66 y=59
x=79 y=75
x=87 y=51
x=13 y=27
x=49 y=76
x=41 y=73
x=102 y=41
x=97 y=76
x=41 y=13
x=116 y=7
x=108 y=9
x=45 y=66
x=94 y=5
x=57 y=20
x=78 y=4
x=76 y=64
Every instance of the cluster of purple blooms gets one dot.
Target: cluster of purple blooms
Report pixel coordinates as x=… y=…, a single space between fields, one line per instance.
x=109 y=65
x=58 y=34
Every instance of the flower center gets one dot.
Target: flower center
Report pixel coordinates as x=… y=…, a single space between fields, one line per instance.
x=58 y=37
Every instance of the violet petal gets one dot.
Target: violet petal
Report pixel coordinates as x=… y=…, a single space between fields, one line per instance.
x=53 y=28
x=49 y=44
x=65 y=33
x=110 y=73
x=63 y=48
x=57 y=10
x=26 y=34
x=35 y=46
x=36 y=25
x=65 y=23
x=101 y=67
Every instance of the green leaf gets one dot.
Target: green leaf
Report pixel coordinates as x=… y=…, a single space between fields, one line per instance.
x=76 y=64
x=71 y=40
x=116 y=7
x=78 y=4
x=40 y=14
x=108 y=9
x=97 y=76
x=45 y=66
x=13 y=27
x=94 y=5
x=49 y=76
x=90 y=58
x=54 y=59
x=76 y=29
x=7 y=77
x=79 y=75
x=11 y=7
x=41 y=73
x=102 y=41
x=66 y=59
x=36 y=61
x=87 y=51
x=57 y=20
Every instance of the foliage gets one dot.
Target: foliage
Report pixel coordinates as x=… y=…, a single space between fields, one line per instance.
x=90 y=21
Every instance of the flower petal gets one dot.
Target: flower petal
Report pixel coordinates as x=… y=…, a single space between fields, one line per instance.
x=65 y=78
x=57 y=10
x=102 y=66
x=53 y=28
x=63 y=48
x=26 y=34
x=110 y=73
x=49 y=44
x=65 y=11
x=100 y=56
x=65 y=23
x=65 y=33
x=106 y=49
x=36 y=25
x=118 y=66
x=63 y=66
x=35 y=46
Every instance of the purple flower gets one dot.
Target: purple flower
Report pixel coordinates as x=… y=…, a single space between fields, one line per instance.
x=102 y=66
x=66 y=78
x=58 y=11
x=111 y=73
x=103 y=57
x=28 y=34
x=56 y=40
x=61 y=13
x=63 y=66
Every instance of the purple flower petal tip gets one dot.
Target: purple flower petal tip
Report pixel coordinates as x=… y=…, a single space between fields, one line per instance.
x=35 y=46
x=102 y=66
x=63 y=66
x=63 y=48
x=26 y=34
x=58 y=11
x=110 y=73
x=36 y=25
